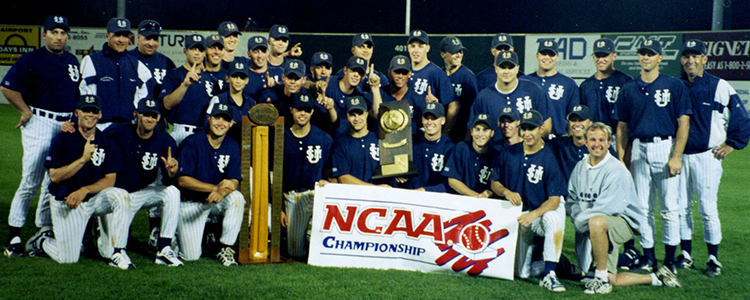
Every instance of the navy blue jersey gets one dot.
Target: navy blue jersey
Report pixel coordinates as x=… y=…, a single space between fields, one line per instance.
x=68 y=147
x=158 y=64
x=334 y=92
x=601 y=95
x=568 y=154
x=652 y=109
x=199 y=160
x=432 y=76
x=465 y=87
x=237 y=110
x=470 y=167
x=719 y=116
x=430 y=158
x=363 y=84
x=191 y=110
x=218 y=80
x=526 y=96
x=488 y=77
x=45 y=80
x=535 y=177
x=305 y=159
x=242 y=59
x=141 y=158
x=257 y=83
x=562 y=93
x=358 y=157
x=416 y=103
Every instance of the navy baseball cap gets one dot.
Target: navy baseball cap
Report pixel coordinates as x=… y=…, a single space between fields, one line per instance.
x=400 y=62
x=117 y=25
x=256 y=42
x=56 y=21
x=237 y=67
x=85 y=101
x=693 y=46
x=451 y=44
x=652 y=45
x=547 y=45
x=419 y=35
x=356 y=62
x=510 y=113
x=278 y=31
x=148 y=105
x=533 y=118
x=435 y=109
x=356 y=103
x=213 y=40
x=296 y=67
x=194 y=40
x=604 y=46
x=148 y=28
x=502 y=39
x=220 y=109
x=228 y=28
x=361 y=39
x=481 y=118
x=302 y=100
x=582 y=111
x=321 y=58
x=506 y=56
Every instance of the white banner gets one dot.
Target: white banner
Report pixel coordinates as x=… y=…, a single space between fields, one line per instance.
x=384 y=228
x=743 y=90
x=574 y=50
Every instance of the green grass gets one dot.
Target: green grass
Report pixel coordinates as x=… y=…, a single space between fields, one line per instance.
x=42 y=278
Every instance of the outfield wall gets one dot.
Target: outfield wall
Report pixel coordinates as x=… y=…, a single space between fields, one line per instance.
x=729 y=51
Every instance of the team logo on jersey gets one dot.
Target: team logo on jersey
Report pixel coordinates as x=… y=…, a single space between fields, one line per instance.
x=437 y=162
x=458 y=88
x=314 y=154
x=221 y=84
x=98 y=158
x=484 y=174
x=222 y=162
x=375 y=151
x=523 y=103
x=611 y=93
x=148 y=161
x=420 y=86
x=159 y=75
x=535 y=173
x=209 y=88
x=556 y=91
x=73 y=73
x=662 y=97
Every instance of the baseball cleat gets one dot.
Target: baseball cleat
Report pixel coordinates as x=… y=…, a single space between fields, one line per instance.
x=34 y=245
x=713 y=267
x=167 y=257
x=598 y=286
x=667 y=278
x=226 y=257
x=551 y=282
x=646 y=265
x=153 y=239
x=15 y=249
x=684 y=261
x=121 y=260
x=629 y=259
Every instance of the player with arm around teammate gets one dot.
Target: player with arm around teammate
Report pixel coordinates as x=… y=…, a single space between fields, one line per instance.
x=528 y=174
x=605 y=210
x=469 y=167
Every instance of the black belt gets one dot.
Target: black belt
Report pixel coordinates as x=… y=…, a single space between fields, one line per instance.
x=655 y=139
x=51 y=115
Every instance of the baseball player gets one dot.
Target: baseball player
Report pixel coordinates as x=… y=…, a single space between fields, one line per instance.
x=605 y=210
x=599 y=92
x=342 y=88
x=117 y=77
x=142 y=146
x=428 y=79
x=83 y=167
x=239 y=103
x=186 y=92
x=307 y=151
x=262 y=75
x=148 y=44
x=510 y=91
x=278 y=42
x=208 y=178
x=561 y=91
x=431 y=151
x=463 y=80
x=397 y=90
x=42 y=87
x=487 y=77
x=212 y=64
x=321 y=67
x=654 y=112
x=527 y=174
x=469 y=167
x=230 y=34
x=363 y=46
x=508 y=123
x=719 y=125
x=356 y=155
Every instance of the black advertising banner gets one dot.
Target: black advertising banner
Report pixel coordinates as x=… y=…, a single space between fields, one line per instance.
x=728 y=53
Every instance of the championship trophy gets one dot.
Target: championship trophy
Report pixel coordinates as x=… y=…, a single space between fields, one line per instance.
x=396 y=154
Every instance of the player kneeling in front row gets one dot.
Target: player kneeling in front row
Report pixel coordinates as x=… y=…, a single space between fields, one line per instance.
x=83 y=166
x=208 y=177
x=605 y=206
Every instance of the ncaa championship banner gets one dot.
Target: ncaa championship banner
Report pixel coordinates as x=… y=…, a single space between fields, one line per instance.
x=574 y=51
x=386 y=228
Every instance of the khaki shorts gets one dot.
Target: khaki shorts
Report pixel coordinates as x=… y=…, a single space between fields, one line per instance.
x=619 y=232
